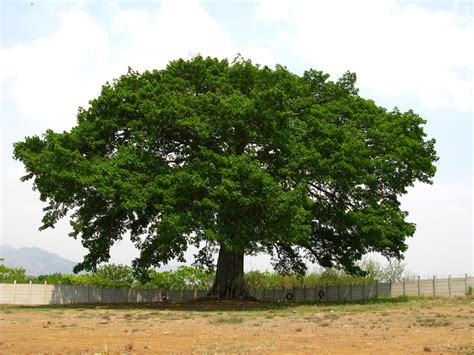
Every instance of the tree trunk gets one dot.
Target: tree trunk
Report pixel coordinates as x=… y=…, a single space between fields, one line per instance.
x=229 y=281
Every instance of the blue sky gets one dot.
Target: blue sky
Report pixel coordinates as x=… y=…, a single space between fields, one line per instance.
x=55 y=55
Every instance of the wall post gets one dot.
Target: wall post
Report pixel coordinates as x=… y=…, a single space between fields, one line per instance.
x=29 y=293
x=304 y=293
x=418 y=285
x=376 y=288
x=45 y=292
x=434 y=286
x=449 y=285
x=404 y=287
x=14 y=291
x=350 y=291
x=338 y=292
x=465 y=283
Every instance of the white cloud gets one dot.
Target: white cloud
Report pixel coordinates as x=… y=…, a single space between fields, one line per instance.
x=394 y=49
x=131 y=20
x=48 y=79
x=260 y=55
x=443 y=241
x=178 y=30
x=273 y=9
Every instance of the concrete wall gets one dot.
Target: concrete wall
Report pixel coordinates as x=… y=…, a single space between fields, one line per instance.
x=64 y=294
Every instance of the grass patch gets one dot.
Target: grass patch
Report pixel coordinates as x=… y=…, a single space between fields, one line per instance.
x=332 y=316
x=466 y=349
x=88 y=315
x=433 y=322
x=189 y=310
x=225 y=321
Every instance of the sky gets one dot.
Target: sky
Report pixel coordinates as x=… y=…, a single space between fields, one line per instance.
x=55 y=56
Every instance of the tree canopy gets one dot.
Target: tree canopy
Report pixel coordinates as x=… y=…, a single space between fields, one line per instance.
x=247 y=158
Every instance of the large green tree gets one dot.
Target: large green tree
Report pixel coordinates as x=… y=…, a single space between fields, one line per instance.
x=235 y=158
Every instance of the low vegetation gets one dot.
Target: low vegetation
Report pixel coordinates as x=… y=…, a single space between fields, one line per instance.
x=8 y=275
x=187 y=277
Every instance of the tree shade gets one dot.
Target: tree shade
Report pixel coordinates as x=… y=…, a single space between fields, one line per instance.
x=233 y=157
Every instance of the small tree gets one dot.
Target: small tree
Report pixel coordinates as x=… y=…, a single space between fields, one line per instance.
x=183 y=278
x=395 y=271
x=116 y=275
x=372 y=269
x=8 y=275
x=53 y=279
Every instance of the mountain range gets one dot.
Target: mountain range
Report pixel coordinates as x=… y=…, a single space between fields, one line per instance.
x=35 y=261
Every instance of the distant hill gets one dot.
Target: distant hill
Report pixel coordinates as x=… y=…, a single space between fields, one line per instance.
x=35 y=261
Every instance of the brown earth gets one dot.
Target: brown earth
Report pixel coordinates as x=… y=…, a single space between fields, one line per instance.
x=429 y=325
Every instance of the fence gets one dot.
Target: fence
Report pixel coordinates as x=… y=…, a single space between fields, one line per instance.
x=343 y=293
x=66 y=294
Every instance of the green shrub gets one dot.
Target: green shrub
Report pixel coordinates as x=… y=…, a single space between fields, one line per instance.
x=185 y=277
x=8 y=275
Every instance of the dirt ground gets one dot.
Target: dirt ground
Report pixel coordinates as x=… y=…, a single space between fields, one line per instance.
x=426 y=325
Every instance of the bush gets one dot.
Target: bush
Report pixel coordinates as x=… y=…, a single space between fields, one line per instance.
x=185 y=277
x=269 y=280
x=114 y=275
x=373 y=270
x=8 y=275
